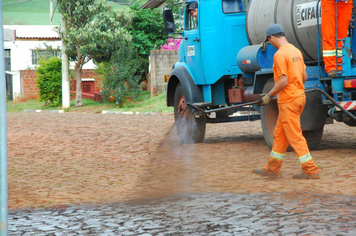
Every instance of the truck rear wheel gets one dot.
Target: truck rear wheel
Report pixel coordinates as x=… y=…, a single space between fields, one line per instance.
x=190 y=129
x=269 y=116
x=313 y=137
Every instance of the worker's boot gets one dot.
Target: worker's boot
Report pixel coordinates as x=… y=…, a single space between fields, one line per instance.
x=304 y=176
x=332 y=74
x=310 y=171
x=264 y=173
x=271 y=169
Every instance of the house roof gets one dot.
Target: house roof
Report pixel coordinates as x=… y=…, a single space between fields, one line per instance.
x=151 y=4
x=33 y=31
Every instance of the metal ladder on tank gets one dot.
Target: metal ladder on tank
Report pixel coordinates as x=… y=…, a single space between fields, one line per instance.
x=337 y=54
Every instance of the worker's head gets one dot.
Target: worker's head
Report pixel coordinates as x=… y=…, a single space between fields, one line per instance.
x=193 y=9
x=274 y=31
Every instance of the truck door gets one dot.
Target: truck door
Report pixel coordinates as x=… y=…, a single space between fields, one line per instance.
x=192 y=43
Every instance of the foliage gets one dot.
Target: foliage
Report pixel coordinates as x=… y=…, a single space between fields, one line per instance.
x=121 y=76
x=178 y=8
x=148 y=104
x=171 y=44
x=147 y=32
x=94 y=31
x=49 y=81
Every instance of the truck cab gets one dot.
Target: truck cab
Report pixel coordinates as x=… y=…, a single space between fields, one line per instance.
x=207 y=58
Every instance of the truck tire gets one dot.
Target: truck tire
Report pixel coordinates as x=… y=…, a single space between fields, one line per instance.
x=350 y=122
x=269 y=116
x=190 y=129
x=313 y=137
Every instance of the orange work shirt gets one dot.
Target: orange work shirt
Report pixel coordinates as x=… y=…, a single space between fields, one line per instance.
x=288 y=61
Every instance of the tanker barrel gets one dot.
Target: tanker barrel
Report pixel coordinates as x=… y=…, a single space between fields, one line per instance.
x=254 y=58
x=298 y=19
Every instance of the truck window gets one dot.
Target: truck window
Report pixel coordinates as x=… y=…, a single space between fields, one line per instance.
x=233 y=6
x=190 y=21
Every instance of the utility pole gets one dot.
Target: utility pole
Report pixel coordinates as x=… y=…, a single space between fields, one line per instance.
x=3 y=138
x=50 y=11
x=65 y=67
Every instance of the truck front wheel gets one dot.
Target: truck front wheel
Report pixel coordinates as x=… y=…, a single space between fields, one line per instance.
x=190 y=128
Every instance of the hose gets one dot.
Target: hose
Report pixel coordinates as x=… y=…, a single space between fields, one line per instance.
x=333 y=101
x=258 y=101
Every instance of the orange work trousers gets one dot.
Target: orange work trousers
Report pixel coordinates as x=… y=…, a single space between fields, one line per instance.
x=288 y=131
x=343 y=15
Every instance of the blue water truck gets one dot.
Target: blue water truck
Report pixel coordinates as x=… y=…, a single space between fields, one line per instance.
x=224 y=65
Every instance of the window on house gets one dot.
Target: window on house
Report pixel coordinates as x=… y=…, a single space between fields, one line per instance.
x=43 y=54
x=7 y=53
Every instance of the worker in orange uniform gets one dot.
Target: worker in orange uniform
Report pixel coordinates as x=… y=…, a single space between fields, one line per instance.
x=289 y=77
x=344 y=10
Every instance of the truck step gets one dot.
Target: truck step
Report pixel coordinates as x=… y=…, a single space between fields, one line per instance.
x=202 y=104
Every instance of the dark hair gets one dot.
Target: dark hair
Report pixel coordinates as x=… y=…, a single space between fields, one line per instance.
x=278 y=35
x=193 y=6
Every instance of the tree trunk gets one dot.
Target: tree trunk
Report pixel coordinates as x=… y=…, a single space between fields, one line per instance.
x=148 y=76
x=78 y=98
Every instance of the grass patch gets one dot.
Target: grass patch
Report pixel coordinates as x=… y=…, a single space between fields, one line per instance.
x=141 y=103
x=35 y=12
x=144 y=103
x=18 y=18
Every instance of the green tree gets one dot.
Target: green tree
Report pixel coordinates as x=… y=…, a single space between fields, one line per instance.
x=49 y=81
x=147 y=32
x=94 y=31
x=121 y=75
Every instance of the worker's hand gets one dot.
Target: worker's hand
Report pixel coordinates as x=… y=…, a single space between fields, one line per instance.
x=265 y=99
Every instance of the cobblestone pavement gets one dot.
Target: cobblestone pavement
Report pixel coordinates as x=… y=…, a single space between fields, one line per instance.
x=295 y=213
x=100 y=163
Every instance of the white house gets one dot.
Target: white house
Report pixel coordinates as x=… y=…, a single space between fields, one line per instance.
x=23 y=45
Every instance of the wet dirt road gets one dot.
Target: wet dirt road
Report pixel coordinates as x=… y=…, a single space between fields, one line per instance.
x=112 y=165
x=198 y=214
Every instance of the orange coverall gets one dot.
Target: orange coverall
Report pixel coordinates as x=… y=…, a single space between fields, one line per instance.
x=344 y=10
x=288 y=60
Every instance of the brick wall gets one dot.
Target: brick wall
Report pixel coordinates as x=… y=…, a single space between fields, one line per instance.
x=28 y=82
x=161 y=65
x=89 y=73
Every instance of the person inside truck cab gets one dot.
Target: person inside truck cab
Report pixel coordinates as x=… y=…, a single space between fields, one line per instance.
x=193 y=9
x=192 y=20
